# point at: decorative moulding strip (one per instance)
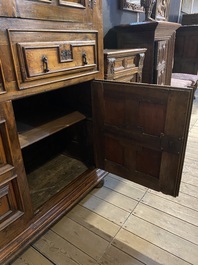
(131, 5)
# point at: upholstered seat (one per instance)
(184, 80)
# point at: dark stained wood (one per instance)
(190, 19)
(38, 33)
(146, 35)
(45, 46)
(53, 176)
(59, 10)
(124, 64)
(32, 135)
(145, 141)
(186, 52)
(16, 209)
(48, 215)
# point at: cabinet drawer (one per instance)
(42, 56)
(124, 64)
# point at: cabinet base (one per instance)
(51, 211)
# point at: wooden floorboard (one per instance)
(123, 223)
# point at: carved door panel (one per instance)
(160, 62)
(140, 132)
(59, 10)
(15, 205)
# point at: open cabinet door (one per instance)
(140, 132)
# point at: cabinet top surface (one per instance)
(149, 25)
(123, 51)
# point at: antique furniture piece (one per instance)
(61, 131)
(186, 52)
(190, 19)
(157, 37)
(124, 65)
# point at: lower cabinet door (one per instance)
(15, 204)
(140, 132)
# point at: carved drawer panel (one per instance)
(42, 56)
(59, 10)
(9, 208)
(124, 65)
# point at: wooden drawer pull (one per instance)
(45, 64)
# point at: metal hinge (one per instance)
(171, 144)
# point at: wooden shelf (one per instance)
(29, 135)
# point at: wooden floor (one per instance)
(127, 224)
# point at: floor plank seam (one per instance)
(160, 248)
(172, 200)
(156, 225)
(78, 247)
(42, 254)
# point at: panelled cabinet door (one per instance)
(15, 206)
(140, 132)
(59, 10)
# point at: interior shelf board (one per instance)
(35, 134)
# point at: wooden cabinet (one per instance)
(15, 212)
(145, 140)
(124, 65)
(59, 134)
(186, 52)
(159, 40)
(190, 19)
(42, 57)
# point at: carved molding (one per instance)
(46, 1)
(131, 5)
(77, 3)
(2, 80)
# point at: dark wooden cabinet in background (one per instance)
(159, 40)
(61, 131)
(186, 51)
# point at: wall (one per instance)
(113, 15)
(195, 7)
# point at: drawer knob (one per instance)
(45, 64)
(84, 57)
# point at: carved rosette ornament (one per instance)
(148, 7)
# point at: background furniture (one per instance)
(159, 40)
(186, 52)
(124, 65)
(190, 19)
(61, 131)
(184, 80)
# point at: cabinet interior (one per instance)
(54, 128)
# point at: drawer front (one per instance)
(128, 69)
(42, 56)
